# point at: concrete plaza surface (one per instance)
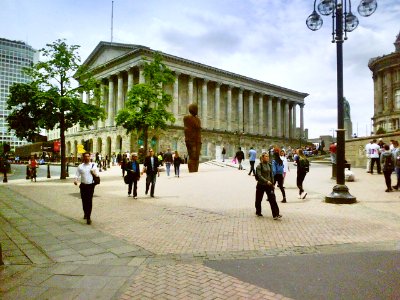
(199, 238)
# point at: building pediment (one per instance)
(105, 52)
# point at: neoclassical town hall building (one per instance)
(234, 110)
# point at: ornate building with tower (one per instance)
(234, 110)
(386, 75)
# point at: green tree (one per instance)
(146, 104)
(52, 99)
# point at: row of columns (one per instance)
(284, 124)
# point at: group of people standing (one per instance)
(386, 156)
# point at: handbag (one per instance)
(126, 179)
(96, 179)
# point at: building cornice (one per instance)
(184, 66)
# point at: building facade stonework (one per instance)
(386, 75)
(234, 110)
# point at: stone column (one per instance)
(229, 108)
(294, 120)
(278, 117)
(190, 89)
(240, 109)
(130, 78)
(120, 94)
(389, 91)
(301, 121)
(176, 95)
(260, 114)
(141, 75)
(251, 112)
(270, 127)
(287, 119)
(102, 103)
(110, 118)
(204, 104)
(380, 94)
(217, 105)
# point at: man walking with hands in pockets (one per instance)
(85, 172)
(265, 184)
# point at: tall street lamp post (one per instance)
(343, 21)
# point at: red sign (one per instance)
(57, 146)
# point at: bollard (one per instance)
(48, 170)
(67, 173)
(5, 175)
(28, 173)
(333, 171)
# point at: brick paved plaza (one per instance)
(158, 248)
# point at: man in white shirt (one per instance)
(85, 172)
(368, 155)
(374, 153)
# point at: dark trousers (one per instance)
(151, 179)
(133, 182)
(378, 164)
(388, 178)
(176, 169)
(299, 181)
(240, 164)
(278, 178)
(87, 191)
(260, 190)
(252, 167)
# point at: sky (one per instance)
(266, 40)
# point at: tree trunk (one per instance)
(63, 174)
(145, 138)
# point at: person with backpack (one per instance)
(303, 166)
(388, 163)
(278, 170)
(265, 184)
(396, 155)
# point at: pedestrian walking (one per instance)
(132, 174)
(285, 165)
(388, 163)
(177, 163)
(303, 167)
(85, 171)
(396, 155)
(32, 165)
(124, 161)
(240, 156)
(223, 153)
(252, 160)
(265, 184)
(151, 168)
(277, 171)
(168, 160)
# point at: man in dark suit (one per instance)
(133, 174)
(151, 168)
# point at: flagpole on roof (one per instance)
(112, 19)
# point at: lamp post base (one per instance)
(340, 195)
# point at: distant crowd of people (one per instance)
(386, 157)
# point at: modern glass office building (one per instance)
(14, 56)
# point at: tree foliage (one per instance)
(52, 99)
(146, 104)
